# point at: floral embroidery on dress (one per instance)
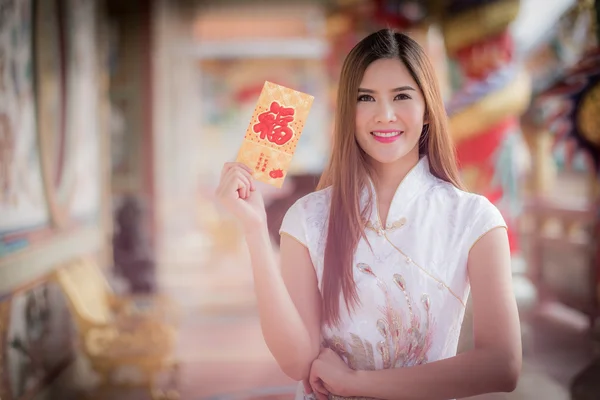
(404, 342)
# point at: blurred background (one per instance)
(121, 278)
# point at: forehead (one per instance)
(387, 73)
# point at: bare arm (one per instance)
(495, 362)
(289, 302)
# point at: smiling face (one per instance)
(389, 112)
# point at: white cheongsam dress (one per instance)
(413, 284)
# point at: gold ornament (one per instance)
(588, 115)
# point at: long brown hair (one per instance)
(348, 169)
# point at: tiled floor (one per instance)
(225, 358)
(223, 355)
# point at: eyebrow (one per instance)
(398, 89)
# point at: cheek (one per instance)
(411, 114)
(361, 116)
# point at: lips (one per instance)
(386, 136)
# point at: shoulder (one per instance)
(313, 203)
(478, 208)
(307, 215)
(465, 210)
(476, 214)
(485, 217)
(456, 198)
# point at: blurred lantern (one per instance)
(490, 91)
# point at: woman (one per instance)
(378, 263)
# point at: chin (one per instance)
(390, 156)
(386, 158)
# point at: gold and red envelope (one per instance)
(274, 131)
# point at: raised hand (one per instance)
(238, 194)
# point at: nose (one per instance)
(386, 112)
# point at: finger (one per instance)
(321, 396)
(250, 178)
(225, 181)
(317, 386)
(244, 193)
(307, 388)
(231, 185)
(242, 189)
(226, 168)
(245, 190)
(241, 192)
(240, 178)
(238, 171)
(245, 167)
(230, 164)
(235, 165)
(327, 387)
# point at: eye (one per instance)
(365, 97)
(402, 96)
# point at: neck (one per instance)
(389, 176)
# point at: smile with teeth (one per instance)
(386, 134)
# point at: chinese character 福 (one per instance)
(273, 124)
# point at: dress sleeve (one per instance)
(486, 217)
(294, 223)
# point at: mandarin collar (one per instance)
(416, 181)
